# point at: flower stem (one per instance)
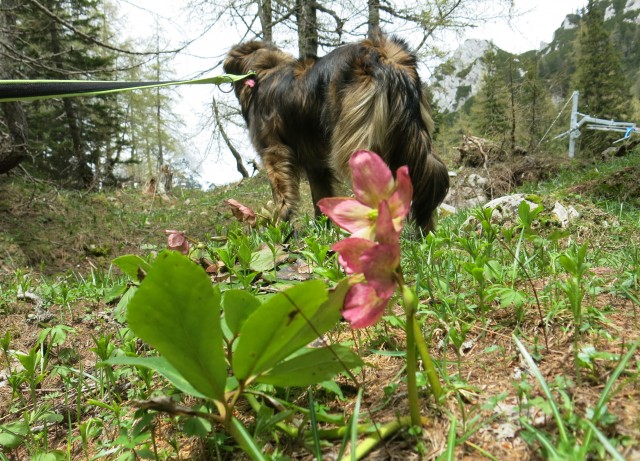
(410, 303)
(430, 369)
(384, 432)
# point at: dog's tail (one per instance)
(382, 108)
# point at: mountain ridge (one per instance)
(456, 81)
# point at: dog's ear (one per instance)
(240, 57)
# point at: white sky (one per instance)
(534, 23)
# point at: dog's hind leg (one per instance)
(322, 185)
(284, 177)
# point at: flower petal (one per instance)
(362, 306)
(386, 229)
(372, 178)
(400, 200)
(242, 212)
(350, 214)
(379, 265)
(350, 252)
(177, 241)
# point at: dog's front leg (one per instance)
(284, 176)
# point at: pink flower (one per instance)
(241, 212)
(373, 267)
(371, 256)
(250, 82)
(177, 241)
(366, 301)
(373, 184)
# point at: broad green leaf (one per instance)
(133, 266)
(177, 311)
(238, 305)
(312, 367)
(160, 366)
(55, 455)
(263, 260)
(198, 427)
(332, 386)
(120, 311)
(285, 323)
(115, 292)
(509, 296)
(13, 434)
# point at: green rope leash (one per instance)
(31, 90)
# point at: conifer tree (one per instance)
(535, 105)
(599, 78)
(491, 112)
(63, 39)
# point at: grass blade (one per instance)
(354, 425)
(450, 454)
(314, 426)
(604, 441)
(564, 437)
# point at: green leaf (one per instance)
(535, 371)
(568, 264)
(115, 292)
(133, 266)
(509, 296)
(177, 311)
(12, 435)
(312, 367)
(238, 305)
(285, 323)
(198, 427)
(55, 455)
(120, 311)
(246, 442)
(160, 366)
(332, 386)
(263, 260)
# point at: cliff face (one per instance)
(458, 79)
(460, 76)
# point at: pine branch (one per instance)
(95, 41)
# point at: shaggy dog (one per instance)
(308, 115)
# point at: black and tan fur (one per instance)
(307, 116)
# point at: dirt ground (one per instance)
(487, 366)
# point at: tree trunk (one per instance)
(165, 180)
(512, 90)
(158, 102)
(307, 18)
(266, 20)
(83, 173)
(15, 151)
(374, 18)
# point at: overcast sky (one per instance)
(534, 23)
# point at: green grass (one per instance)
(568, 386)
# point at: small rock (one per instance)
(564, 215)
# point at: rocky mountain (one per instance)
(456, 81)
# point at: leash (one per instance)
(31, 90)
